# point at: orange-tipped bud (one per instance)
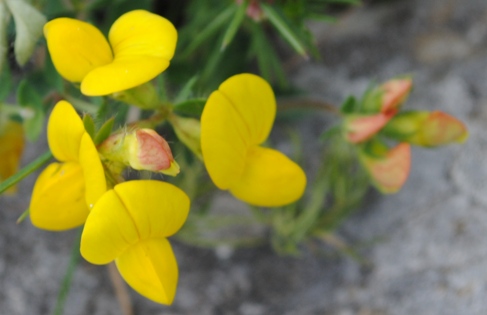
(359, 128)
(394, 93)
(428, 129)
(141, 149)
(390, 171)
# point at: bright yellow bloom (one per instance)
(140, 46)
(64, 192)
(390, 171)
(11, 148)
(130, 224)
(236, 120)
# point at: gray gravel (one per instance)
(426, 244)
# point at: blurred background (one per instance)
(420, 251)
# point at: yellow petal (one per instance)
(253, 99)
(109, 230)
(224, 141)
(270, 179)
(76, 47)
(93, 172)
(157, 209)
(150, 268)
(58, 201)
(143, 43)
(64, 132)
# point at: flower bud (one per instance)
(428, 129)
(359, 128)
(141, 149)
(188, 131)
(388, 171)
(395, 92)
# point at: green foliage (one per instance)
(31, 101)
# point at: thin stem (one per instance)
(26, 171)
(121, 292)
(68, 277)
(309, 104)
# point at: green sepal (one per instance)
(374, 148)
(350, 105)
(404, 125)
(105, 131)
(89, 124)
(192, 107)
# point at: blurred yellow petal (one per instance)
(11, 147)
(109, 230)
(150, 268)
(143, 44)
(93, 172)
(157, 209)
(253, 99)
(390, 172)
(58, 201)
(64, 132)
(76, 47)
(270, 179)
(224, 141)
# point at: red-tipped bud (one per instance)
(390, 171)
(359, 128)
(394, 93)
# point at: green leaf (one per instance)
(234, 25)
(349, 106)
(28, 24)
(89, 124)
(218, 22)
(192, 107)
(186, 90)
(25, 171)
(6, 83)
(105, 131)
(28, 98)
(284, 28)
(4, 19)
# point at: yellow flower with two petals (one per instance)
(130, 224)
(236, 120)
(62, 197)
(140, 46)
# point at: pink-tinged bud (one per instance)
(141, 149)
(428, 129)
(359, 128)
(395, 92)
(440, 129)
(389, 172)
(254, 11)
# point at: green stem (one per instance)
(68, 276)
(26, 171)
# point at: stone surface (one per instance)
(425, 246)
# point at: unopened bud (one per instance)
(388, 171)
(394, 93)
(188, 130)
(141, 149)
(428, 129)
(360, 128)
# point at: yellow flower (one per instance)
(236, 120)
(141, 46)
(130, 224)
(64, 192)
(11, 148)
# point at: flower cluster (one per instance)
(129, 221)
(377, 116)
